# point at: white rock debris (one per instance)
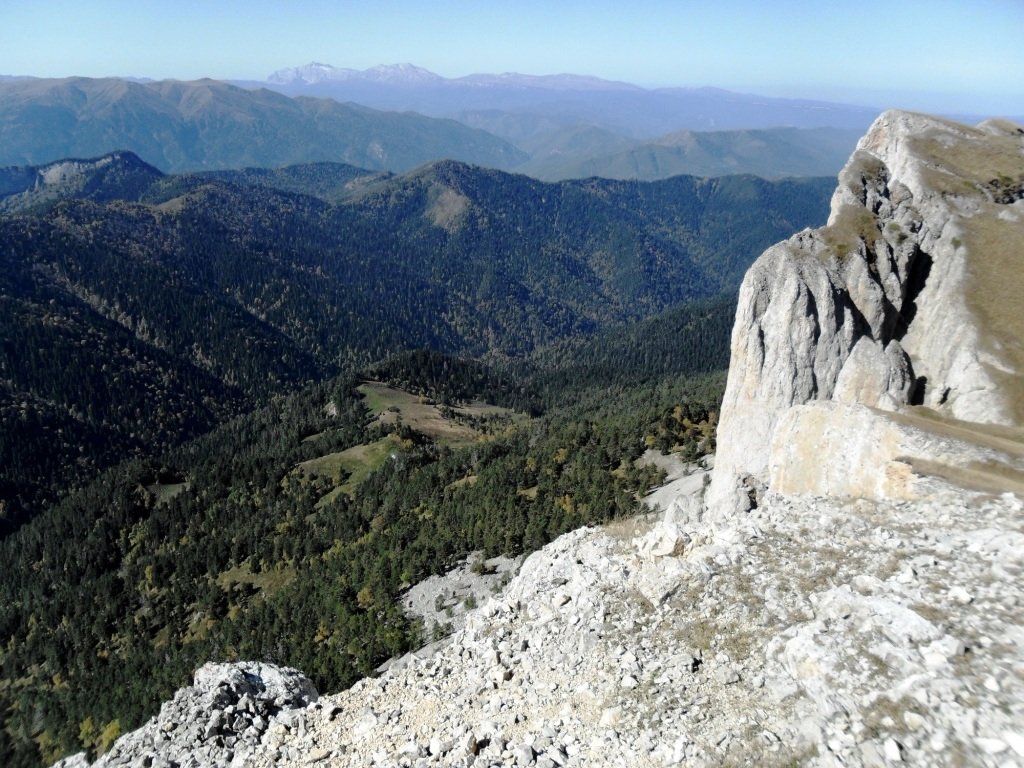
(230, 709)
(808, 631)
(442, 602)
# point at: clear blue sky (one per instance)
(945, 55)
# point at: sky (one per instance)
(951, 56)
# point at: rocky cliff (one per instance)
(909, 296)
(853, 597)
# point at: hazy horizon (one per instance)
(941, 55)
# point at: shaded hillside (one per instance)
(207, 124)
(598, 249)
(116, 176)
(161, 318)
(332, 182)
(683, 341)
(124, 176)
(222, 302)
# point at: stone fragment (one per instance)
(664, 540)
(960, 595)
(321, 753)
(558, 756)
(913, 720)
(893, 751)
(437, 747)
(611, 716)
(364, 725)
(726, 675)
(213, 724)
(992, 746)
(524, 755)
(1015, 739)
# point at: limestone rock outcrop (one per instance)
(230, 712)
(909, 296)
(755, 645)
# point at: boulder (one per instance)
(221, 716)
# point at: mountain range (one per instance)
(238, 414)
(208, 124)
(767, 152)
(552, 129)
(573, 126)
(188, 447)
(636, 112)
(273, 352)
(858, 541)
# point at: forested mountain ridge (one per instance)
(638, 246)
(331, 182)
(115, 176)
(125, 176)
(135, 282)
(206, 124)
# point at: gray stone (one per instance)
(726, 675)
(893, 751)
(207, 723)
(213, 724)
(524, 755)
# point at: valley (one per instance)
(313, 507)
(190, 299)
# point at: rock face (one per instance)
(887, 306)
(230, 712)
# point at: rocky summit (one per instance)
(909, 297)
(848, 594)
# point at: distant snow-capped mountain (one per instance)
(393, 74)
(314, 72)
(409, 74)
